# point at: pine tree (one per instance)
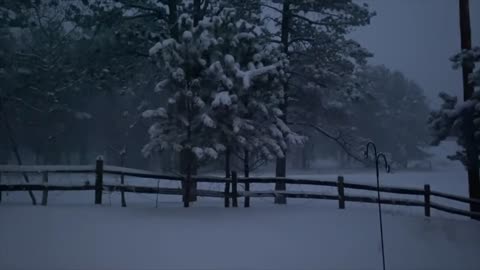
(461, 119)
(316, 30)
(449, 119)
(224, 88)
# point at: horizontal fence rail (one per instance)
(454, 197)
(230, 194)
(396, 190)
(47, 168)
(41, 187)
(365, 199)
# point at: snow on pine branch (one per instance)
(248, 76)
(160, 112)
(208, 121)
(470, 58)
(222, 99)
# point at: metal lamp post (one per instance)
(378, 157)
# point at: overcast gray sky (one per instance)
(418, 37)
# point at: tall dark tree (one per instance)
(461, 119)
(468, 90)
(316, 30)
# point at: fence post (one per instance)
(234, 189)
(45, 190)
(99, 180)
(341, 193)
(122, 181)
(122, 177)
(427, 200)
(227, 193)
(280, 186)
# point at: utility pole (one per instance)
(470, 147)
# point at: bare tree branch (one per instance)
(312, 22)
(271, 7)
(338, 139)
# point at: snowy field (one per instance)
(157, 233)
(211, 237)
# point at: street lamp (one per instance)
(378, 157)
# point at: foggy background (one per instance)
(418, 37)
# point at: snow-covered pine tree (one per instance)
(180, 124)
(462, 119)
(449, 119)
(246, 106)
(224, 90)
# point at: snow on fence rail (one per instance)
(230, 193)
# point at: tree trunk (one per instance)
(246, 164)
(172, 18)
(191, 159)
(281, 164)
(280, 186)
(197, 12)
(227, 162)
(471, 148)
(186, 159)
(188, 168)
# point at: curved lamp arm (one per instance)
(382, 156)
(374, 149)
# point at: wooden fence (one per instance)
(230, 192)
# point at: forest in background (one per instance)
(179, 85)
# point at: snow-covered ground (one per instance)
(212, 237)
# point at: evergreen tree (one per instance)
(224, 89)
